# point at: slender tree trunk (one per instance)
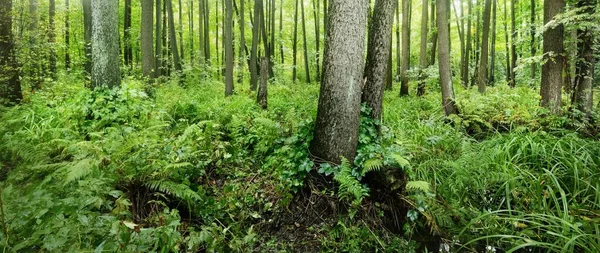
(67, 38)
(493, 49)
(405, 47)
(158, 66)
(295, 44)
(217, 52)
(127, 50)
(532, 45)
(87, 25)
(52, 37)
(513, 45)
(378, 49)
(255, 40)
(272, 33)
(305, 44)
(242, 53)
(191, 30)
(482, 77)
(506, 32)
(551, 90)
(317, 35)
(10, 85)
(477, 44)
(584, 78)
(181, 48)
(207, 32)
(448, 102)
(147, 37)
(173, 37)
(398, 43)
(434, 35)
(423, 64)
(105, 37)
(338, 114)
(281, 52)
(228, 48)
(262, 93)
(466, 66)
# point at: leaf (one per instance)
(130, 224)
(418, 186)
(373, 164)
(403, 162)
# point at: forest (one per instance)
(299, 126)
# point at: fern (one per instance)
(372, 164)
(78, 170)
(350, 189)
(418, 186)
(180, 191)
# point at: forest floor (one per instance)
(180, 168)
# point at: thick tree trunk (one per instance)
(482, 77)
(584, 78)
(105, 37)
(173, 37)
(305, 44)
(448, 102)
(255, 40)
(551, 90)
(52, 37)
(67, 38)
(147, 37)
(338, 114)
(405, 47)
(10, 85)
(295, 44)
(423, 64)
(228, 48)
(261, 97)
(378, 49)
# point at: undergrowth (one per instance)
(179, 169)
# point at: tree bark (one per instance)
(482, 77)
(551, 90)
(255, 40)
(10, 85)
(262, 94)
(444, 58)
(52, 37)
(466, 66)
(147, 37)
(105, 37)
(295, 44)
(338, 114)
(87, 25)
(181, 48)
(378, 49)
(423, 63)
(506, 43)
(305, 44)
(513, 45)
(493, 48)
(228, 48)
(127, 50)
(317, 35)
(583, 94)
(242, 53)
(67, 38)
(158, 65)
(173, 37)
(405, 47)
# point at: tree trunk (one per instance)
(423, 64)
(338, 114)
(201, 46)
(405, 47)
(191, 30)
(493, 48)
(173, 37)
(482, 77)
(228, 48)
(158, 66)
(444, 58)
(506, 32)
(281, 52)
(466, 66)
(532, 45)
(317, 35)
(87, 26)
(217, 37)
(305, 44)
(10, 85)
(105, 37)
(434, 35)
(398, 43)
(378, 49)
(52, 37)
(513, 45)
(584, 78)
(67, 38)
(261, 98)
(551, 90)
(295, 44)
(477, 44)
(127, 50)
(181, 48)
(146, 37)
(255, 40)
(242, 53)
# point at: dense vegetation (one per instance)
(167, 163)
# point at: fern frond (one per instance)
(418, 186)
(349, 186)
(373, 164)
(78, 170)
(180, 191)
(402, 162)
